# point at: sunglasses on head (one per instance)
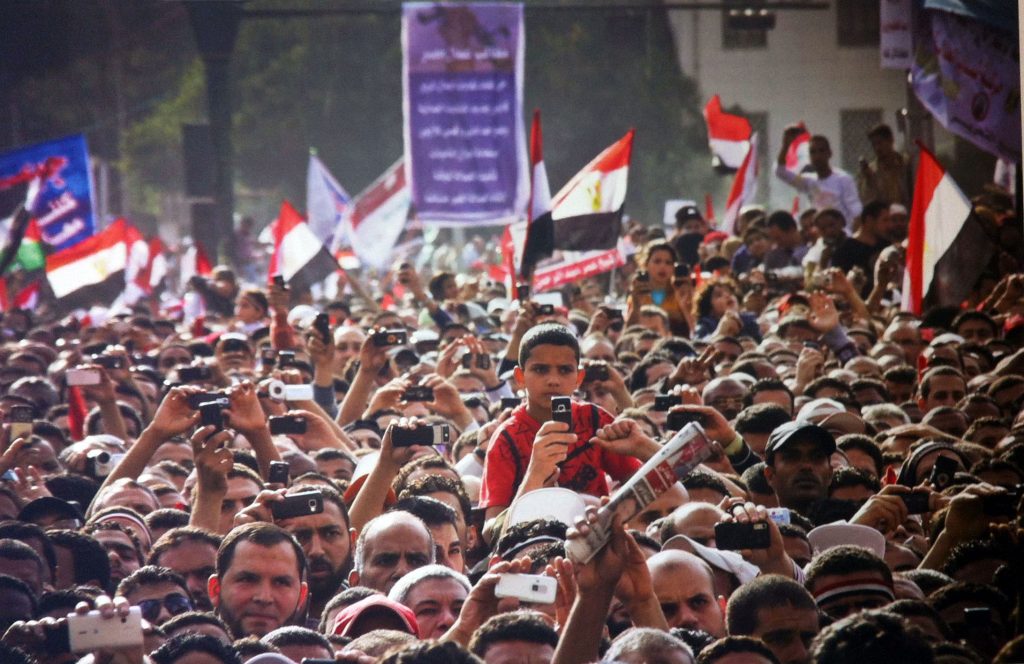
(175, 603)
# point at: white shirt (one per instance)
(837, 191)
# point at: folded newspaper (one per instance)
(674, 461)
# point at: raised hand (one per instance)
(175, 416)
(823, 317)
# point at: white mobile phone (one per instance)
(92, 632)
(534, 588)
(82, 377)
(298, 392)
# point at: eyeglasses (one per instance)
(175, 603)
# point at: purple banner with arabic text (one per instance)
(967, 75)
(464, 143)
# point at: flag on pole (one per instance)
(538, 241)
(194, 262)
(728, 136)
(946, 247)
(376, 217)
(744, 188)
(156, 269)
(587, 212)
(326, 201)
(299, 256)
(92, 271)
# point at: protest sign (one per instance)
(463, 88)
(63, 207)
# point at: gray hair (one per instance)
(400, 591)
(645, 641)
(883, 410)
(383, 521)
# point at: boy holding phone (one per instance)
(531, 450)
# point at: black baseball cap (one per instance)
(49, 505)
(791, 432)
(688, 212)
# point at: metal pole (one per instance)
(215, 25)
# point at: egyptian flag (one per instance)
(728, 136)
(299, 255)
(947, 249)
(151, 277)
(539, 242)
(374, 220)
(92, 271)
(798, 155)
(194, 262)
(744, 188)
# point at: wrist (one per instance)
(731, 444)
(646, 449)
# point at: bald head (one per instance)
(389, 547)
(685, 587)
(696, 521)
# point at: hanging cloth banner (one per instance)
(462, 78)
(966, 73)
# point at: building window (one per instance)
(854, 125)
(857, 23)
(738, 39)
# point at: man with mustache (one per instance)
(797, 464)
(326, 538)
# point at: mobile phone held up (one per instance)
(279, 472)
(561, 410)
(428, 434)
(298, 504)
(390, 338)
(534, 588)
(286, 424)
(19, 421)
(736, 536)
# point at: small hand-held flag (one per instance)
(728, 136)
(539, 230)
(299, 255)
(744, 188)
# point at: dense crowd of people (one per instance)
(380, 477)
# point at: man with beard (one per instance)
(797, 464)
(327, 540)
(259, 585)
(192, 553)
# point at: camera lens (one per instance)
(312, 504)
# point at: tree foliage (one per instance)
(334, 83)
